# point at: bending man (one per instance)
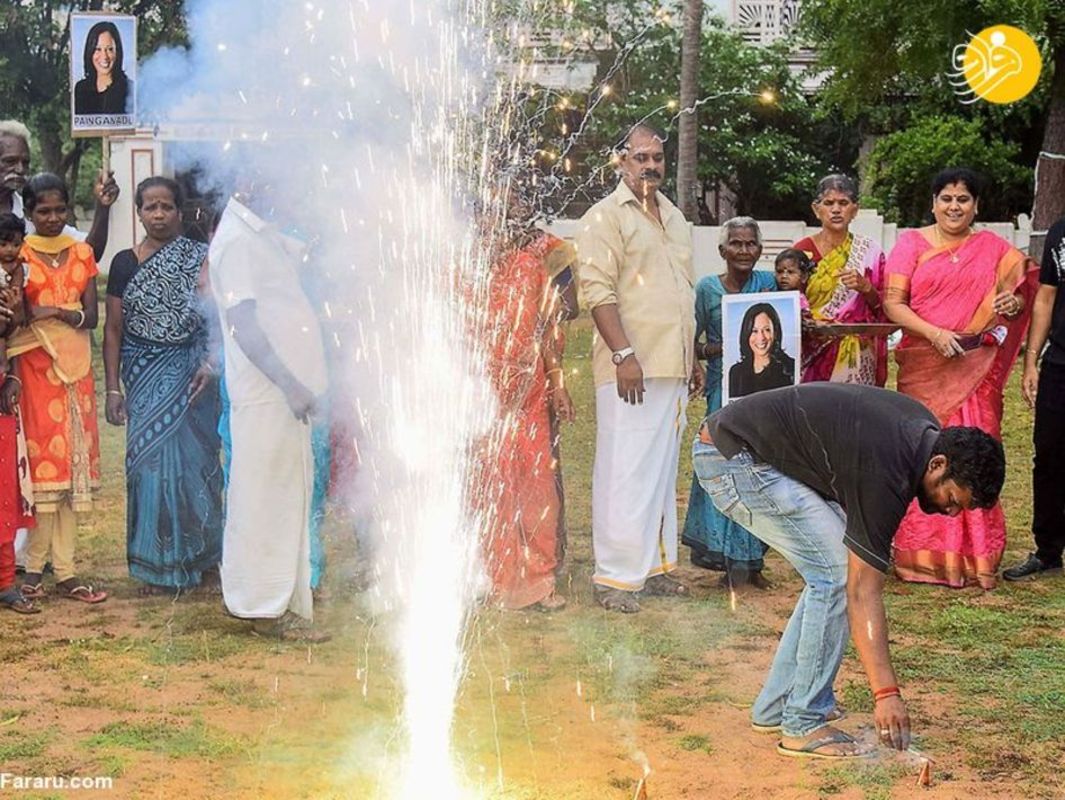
(823, 473)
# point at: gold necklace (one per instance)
(52, 258)
(953, 253)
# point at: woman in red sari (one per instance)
(518, 494)
(961, 296)
(558, 257)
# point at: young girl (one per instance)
(793, 268)
(54, 368)
(16, 505)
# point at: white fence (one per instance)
(780, 234)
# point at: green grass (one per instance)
(695, 743)
(149, 678)
(876, 781)
(167, 738)
(18, 745)
(244, 693)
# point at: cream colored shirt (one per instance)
(627, 258)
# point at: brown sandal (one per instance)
(289, 628)
(32, 591)
(17, 602)
(85, 594)
(665, 586)
(617, 600)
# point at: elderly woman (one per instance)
(716, 542)
(53, 371)
(155, 345)
(845, 287)
(961, 297)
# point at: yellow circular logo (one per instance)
(1000, 64)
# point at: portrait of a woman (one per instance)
(763, 363)
(105, 89)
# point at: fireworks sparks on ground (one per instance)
(403, 136)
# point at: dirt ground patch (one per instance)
(176, 700)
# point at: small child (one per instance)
(16, 508)
(793, 268)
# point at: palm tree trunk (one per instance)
(688, 123)
(1049, 205)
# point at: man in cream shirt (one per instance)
(636, 276)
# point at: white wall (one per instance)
(778, 235)
(140, 156)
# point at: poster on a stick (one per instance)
(762, 340)
(103, 73)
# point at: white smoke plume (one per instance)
(367, 124)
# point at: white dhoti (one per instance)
(634, 483)
(266, 552)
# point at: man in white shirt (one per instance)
(275, 374)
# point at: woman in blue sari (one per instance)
(717, 543)
(155, 340)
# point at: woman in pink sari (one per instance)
(844, 288)
(962, 297)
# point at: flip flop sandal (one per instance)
(32, 591)
(85, 594)
(664, 586)
(303, 633)
(834, 716)
(617, 600)
(810, 749)
(14, 600)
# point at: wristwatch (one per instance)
(621, 355)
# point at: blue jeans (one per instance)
(807, 530)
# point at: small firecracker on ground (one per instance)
(925, 777)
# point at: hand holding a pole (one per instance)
(105, 189)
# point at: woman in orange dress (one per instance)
(54, 373)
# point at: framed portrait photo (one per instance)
(103, 74)
(762, 343)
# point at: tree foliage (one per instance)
(880, 51)
(769, 154)
(887, 63)
(902, 164)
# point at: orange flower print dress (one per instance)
(58, 394)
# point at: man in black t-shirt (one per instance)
(824, 473)
(1044, 390)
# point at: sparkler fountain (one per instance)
(377, 126)
(371, 118)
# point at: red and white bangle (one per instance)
(886, 692)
